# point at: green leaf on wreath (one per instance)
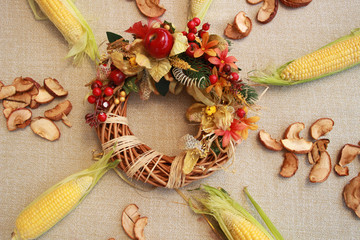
(112, 37)
(162, 86)
(130, 85)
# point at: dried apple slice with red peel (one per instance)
(128, 218)
(253, 2)
(321, 127)
(319, 146)
(290, 165)
(43, 96)
(19, 118)
(7, 91)
(45, 128)
(139, 227)
(300, 146)
(321, 170)
(243, 24)
(22, 84)
(54, 88)
(347, 155)
(295, 3)
(59, 111)
(267, 11)
(293, 131)
(150, 8)
(269, 142)
(351, 194)
(341, 170)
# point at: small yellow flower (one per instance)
(133, 61)
(210, 110)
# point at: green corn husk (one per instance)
(350, 58)
(198, 8)
(218, 203)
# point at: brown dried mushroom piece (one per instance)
(295, 3)
(7, 91)
(321, 170)
(54, 88)
(140, 224)
(269, 142)
(58, 112)
(290, 165)
(19, 118)
(351, 195)
(150, 8)
(300, 146)
(321, 127)
(45, 128)
(267, 11)
(128, 218)
(293, 131)
(43, 96)
(22, 84)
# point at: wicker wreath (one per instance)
(201, 66)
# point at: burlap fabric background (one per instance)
(299, 209)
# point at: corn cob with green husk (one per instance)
(59, 200)
(198, 8)
(337, 56)
(235, 222)
(72, 25)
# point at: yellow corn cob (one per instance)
(62, 18)
(59, 200)
(70, 22)
(242, 229)
(198, 8)
(332, 58)
(44, 213)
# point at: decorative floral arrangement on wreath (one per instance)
(161, 60)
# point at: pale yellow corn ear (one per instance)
(70, 22)
(198, 8)
(332, 58)
(44, 213)
(59, 200)
(240, 228)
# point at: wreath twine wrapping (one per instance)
(199, 65)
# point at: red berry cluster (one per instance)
(192, 25)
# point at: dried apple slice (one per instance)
(43, 96)
(290, 165)
(348, 154)
(13, 104)
(319, 146)
(243, 24)
(253, 2)
(341, 170)
(321, 170)
(295, 3)
(54, 88)
(19, 118)
(351, 195)
(7, 91)
(269, 142)
(128, 218)
(300, 146)
(293, 131)
(22, 84)
(267, 11)
(45, 128)
(321, 127)
(139, 226)
(1, 84)
(7, 112)
(150, 8)
(23, 97)
(59, 111)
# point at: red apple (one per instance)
(158, 42)
(191, 49)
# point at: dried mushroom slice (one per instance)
(321, 127)
(45, 128)
(19, 118)
(54, 88)
(59, 111)
(295, 3)
(300, 146)
(351, 195)
(293, 131)
(128, 218)
(290, 165)
(139, 227)
(269, 142)
(267, 11)
(22, 84)
(321, 170)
